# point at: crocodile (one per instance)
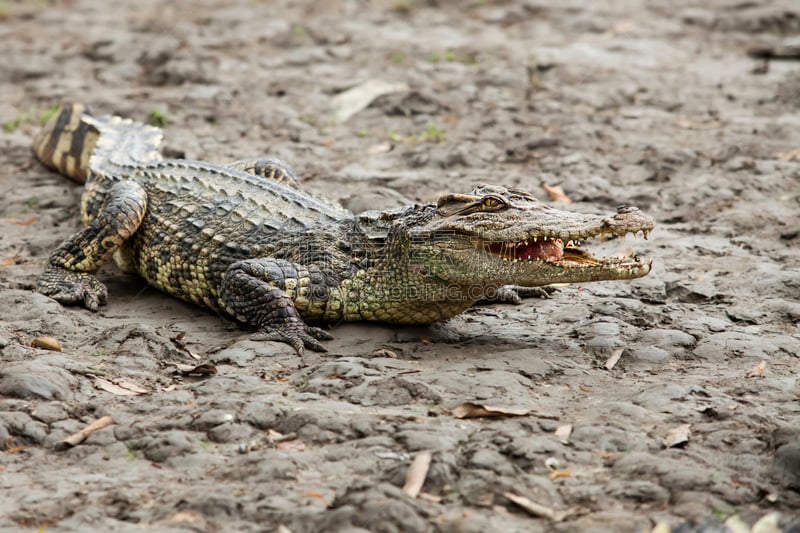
(246, 241)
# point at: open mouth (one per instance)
(534, 249)
(552, 250)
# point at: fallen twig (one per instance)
(417, 473)
(612, 361)
(80, 436)
(536, 509)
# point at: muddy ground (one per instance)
(652, 104)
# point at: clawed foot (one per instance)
(297, 335)
(514, 294)
(72, 288)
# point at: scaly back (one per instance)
(74, 140)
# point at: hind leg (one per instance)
(69, 275)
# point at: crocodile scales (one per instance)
(244, 239)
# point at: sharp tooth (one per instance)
(526, 242)
(534, 239)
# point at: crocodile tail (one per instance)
(74, 140)
(66, 142)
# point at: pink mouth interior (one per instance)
(543, 249)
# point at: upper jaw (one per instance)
(548, 234)
(569, 226)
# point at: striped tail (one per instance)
(66, 143)
(74, 140)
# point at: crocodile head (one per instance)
(496, 236)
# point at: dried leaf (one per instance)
(295, 445)
(10, 261)
(556, 193)
(415, 477)
(536, 509)
(563, 432)
(757, 370)
(473, 410)
(180, 344)
(132, 387)
(205, 369)
(186, 517)
(118, 389)
(348, 103)
(275, 436)
(385, 352)
(26, 222)
(611, 362)
(677, 436)
(313, 494)
(46, 343)
(555, 474)
(790, 155)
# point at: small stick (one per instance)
(417, 472)
(80, 436)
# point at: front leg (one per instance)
(69, 275)
(259, 292)
(514, 294)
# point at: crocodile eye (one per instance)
(492, 203)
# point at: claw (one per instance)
(514, 294)
(69, 287)
(319, 334)
(297, 335)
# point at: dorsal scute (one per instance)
(123, 141)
